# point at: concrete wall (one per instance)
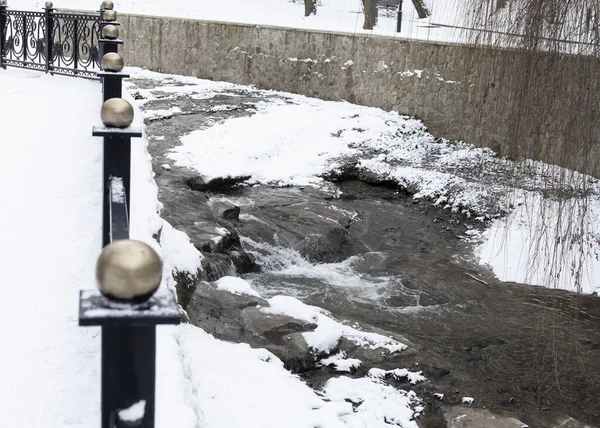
(457, 90)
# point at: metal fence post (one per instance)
(399, 23)
(75, 46)
(2, 32)
(110, 38)
(24, 40)
(117, 115)
(49, 39)
(128, 273)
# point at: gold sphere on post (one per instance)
(117, 113)
(110, 32)
(112, 61)
(107, 5)
(48, 5)
(128, 270)
(110, 15)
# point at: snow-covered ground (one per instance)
(332, 15)
(50, 184)
(50, 367)
(536, 237)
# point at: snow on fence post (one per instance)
(2, 32)
(127, 305)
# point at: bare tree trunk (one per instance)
(370, 8)
(422, 10)
(310, 7)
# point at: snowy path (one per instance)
(50, 186)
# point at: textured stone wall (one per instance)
(455, 89)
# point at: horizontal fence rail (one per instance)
(51, 41)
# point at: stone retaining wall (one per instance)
(460, 92)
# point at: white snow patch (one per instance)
(222, 231)
(329, 332)
(222, 107)
(117, 190)
(51, 239)
(235, 285)
(548, 242)
(377, 404)
(289, 146)
(412, 377)
(133, 413)
(216, 239)
(234, 385)
(340, 363)
(161, 114)
(179, 250)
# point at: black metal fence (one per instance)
(52, 41)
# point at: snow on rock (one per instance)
(161, 114)
(377, 405)
(298, 140)
(329, 331)
(233, 385)
(179, 250)
(467, 400)
(412, 377)
(235, 285)
(340, 363)
(284, 149)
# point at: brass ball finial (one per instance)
(48, 5)
(110, 15)
(112, 61)
(128, 270)
(110, 32)
(107, 5)
(117, 113)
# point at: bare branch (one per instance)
(422, 10)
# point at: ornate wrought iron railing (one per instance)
(51, 41)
